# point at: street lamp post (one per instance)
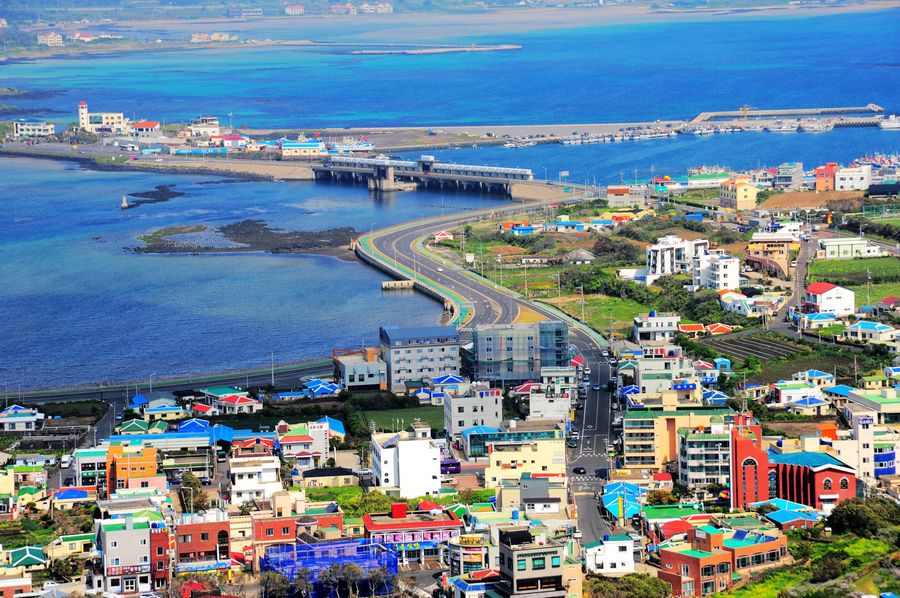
(151, 381)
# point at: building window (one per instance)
(285, 531)
(204, 536)
(159, 551)
(520, 564)
(724, 567)
(270, 531)
(685, 571)
(708, 571)
(538, 563)
(845, 483)
(687, 588)
(555, 561)
(826, 484)
(143, 541)
(160, 565)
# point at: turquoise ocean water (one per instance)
(76, 307)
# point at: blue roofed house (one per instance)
(566, 226)
(722, 364)
(522, 230)
(16, 418)
(815, 377)
(811, 406)
(837, 395)
(870, 332)
(788, 520)
(193, 425)
(336, 427)
(815, 321)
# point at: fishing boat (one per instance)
(782, 127)
(891, 123)
(124, 204)
(815, 126)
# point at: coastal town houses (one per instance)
(50, 39)
(24, 128)
(406, 464)
(16, 418)
(824, 297)
(113, 123)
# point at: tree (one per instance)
(864, 517)
(377, 579)
(192, 495)
(273, 585)
(302, 583)
(766, 508)
(64, 569)
(828, 567)
(633, 585)
(616, 252)
(351, 573)
(330, 577)
(371, 502)
(660, 497)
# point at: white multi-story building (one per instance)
(789, 176)
(704, 455)
(481, 407)
(254, 476)
(870, 449)
(407, 464)
(51, 39)
(412, 354)
(24, 128)
(824, 297)
(857, 178)
(716, 270)
(113, 123)
(610, 557)
(672, 255)
(655, 327)
(16, 418)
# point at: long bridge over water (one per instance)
(388, 174)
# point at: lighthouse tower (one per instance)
(83, 116)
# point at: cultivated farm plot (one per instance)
(743, 347)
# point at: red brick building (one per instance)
(817, 480)
(162, 542)
(203, 537)
(749, 463)
(698, 567)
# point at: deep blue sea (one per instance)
(614, 73)
(75, 306)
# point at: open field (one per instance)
(891, 221)
(876, 291)
(858, 553)
(385, 420)
(599, 310)
(743, 347)
(772, 371)
(854, 271)
(808, 199)
(343, 495)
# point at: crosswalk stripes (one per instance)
(584, 478)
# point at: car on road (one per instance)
(575, 434)
(572, 443)
(618, 421)
(579, 470)
(604, 353)
(440, 269)
(579, 406)
(793, 263)
(118, 417)
(596, 387)
(577, 535)
(587, 372)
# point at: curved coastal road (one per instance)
(400, 246)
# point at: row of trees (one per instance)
(346, 580)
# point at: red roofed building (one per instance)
(719, 328)
(692, 330)
(235, 404)
(670, 529)
(204, 409)
(417, 535)
(888, 305)
(824, 297)
(145, 128)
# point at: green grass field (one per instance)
(854, 271)
(385, 419)
(600, 309)
(891, 221)
(862, 551)
(342, 495)
(876, 291)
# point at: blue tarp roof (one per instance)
(477, 430)
(448, 379)
(629, 390)
(71, 494)
(782, 504)
(193, 425)
(806, 459)
(781, 517)
(841, 390)
(336, 425)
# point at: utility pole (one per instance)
(273, 369)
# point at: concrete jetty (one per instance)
(786, 112)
